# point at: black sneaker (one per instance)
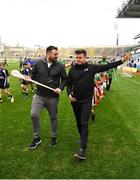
(80, 155)
(35, 143)
(53, 141)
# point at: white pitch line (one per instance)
(133, 81)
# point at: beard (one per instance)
(52, 59)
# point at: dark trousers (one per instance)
(108, 86)
(82, 113)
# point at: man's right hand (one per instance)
(72, 99)
(27, 78)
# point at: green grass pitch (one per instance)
(113, 146)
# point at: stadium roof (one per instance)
(129, 9)
(137, 36)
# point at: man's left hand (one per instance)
(126, 57)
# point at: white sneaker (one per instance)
(12, 99)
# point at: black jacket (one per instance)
(81, 79)
(55, 76)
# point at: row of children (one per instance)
(26, 70)
(4, 83)
(102, 83)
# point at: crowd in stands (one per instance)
(134, 63)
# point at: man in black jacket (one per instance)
(53, 74)
(80, 92)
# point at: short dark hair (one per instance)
(50, 48)
(81, 51)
